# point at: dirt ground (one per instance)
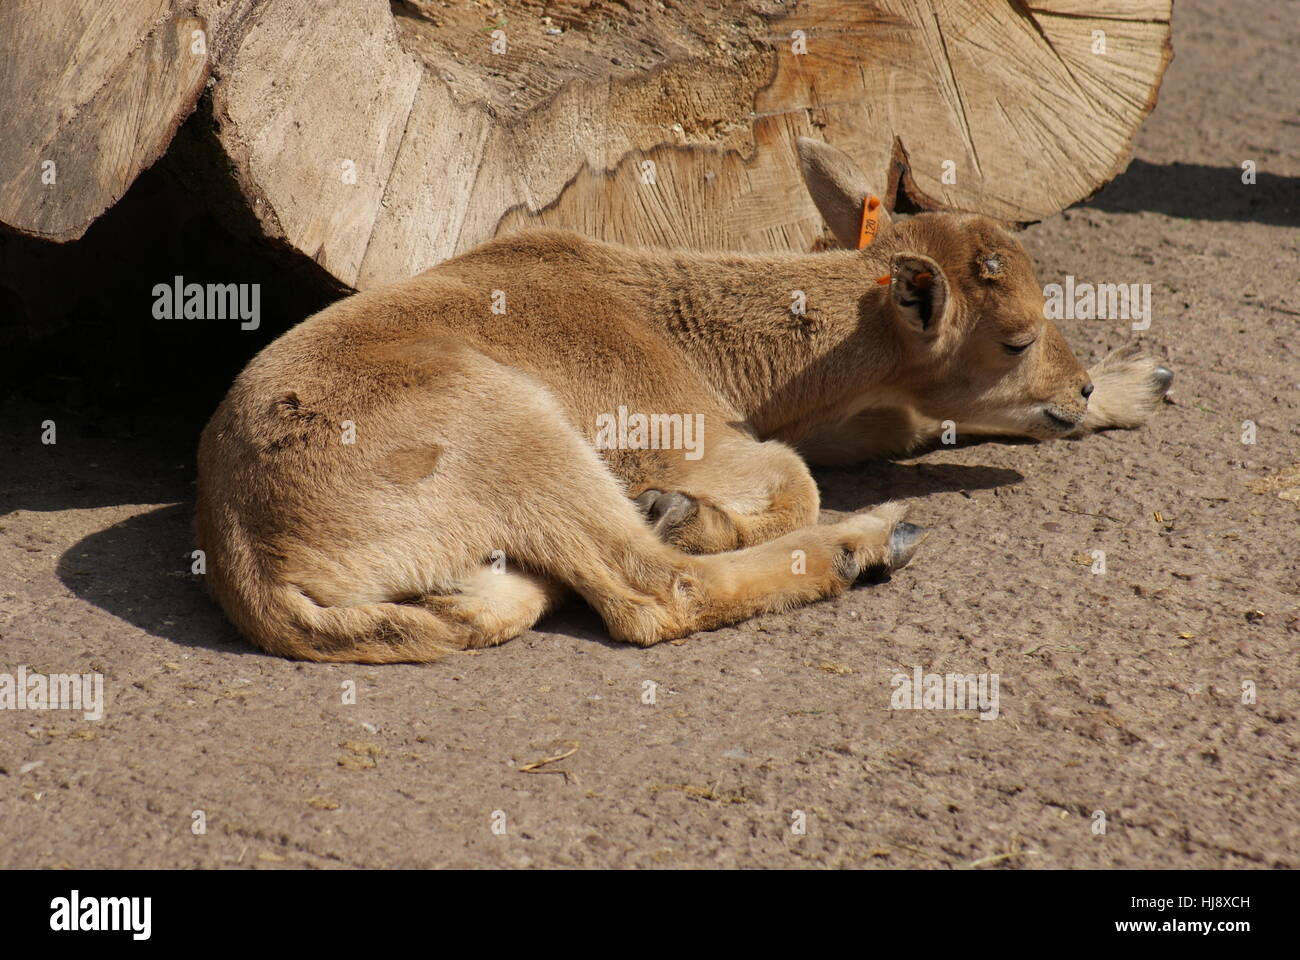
(1120, 691)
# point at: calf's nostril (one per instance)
(1086, 390)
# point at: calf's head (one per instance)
(966, 311)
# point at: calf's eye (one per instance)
(1018, 347)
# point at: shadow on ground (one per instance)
(864, 486)
(1195, 191)
(139, 571)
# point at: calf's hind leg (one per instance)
(647, 590)
(558, 513)
(659, 593)
(492, 605)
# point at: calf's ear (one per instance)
(920, 292)
(839, 188)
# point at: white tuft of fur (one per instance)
(1126, 391)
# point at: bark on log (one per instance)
(381, 138)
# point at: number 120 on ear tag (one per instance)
(870, 221)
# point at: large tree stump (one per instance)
(379, 139)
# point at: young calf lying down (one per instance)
(432, 466)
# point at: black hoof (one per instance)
(1163, 376)
(666, 510)
(903, 543)
(647, 499)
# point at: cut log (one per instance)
(379, 139)
(91, 94)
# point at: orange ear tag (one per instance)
(870, 221)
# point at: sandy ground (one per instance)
(1119, 692)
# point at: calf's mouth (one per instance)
(1061, 419)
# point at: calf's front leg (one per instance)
(1128, 386)
(740, 494)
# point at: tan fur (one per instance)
(472, 498)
